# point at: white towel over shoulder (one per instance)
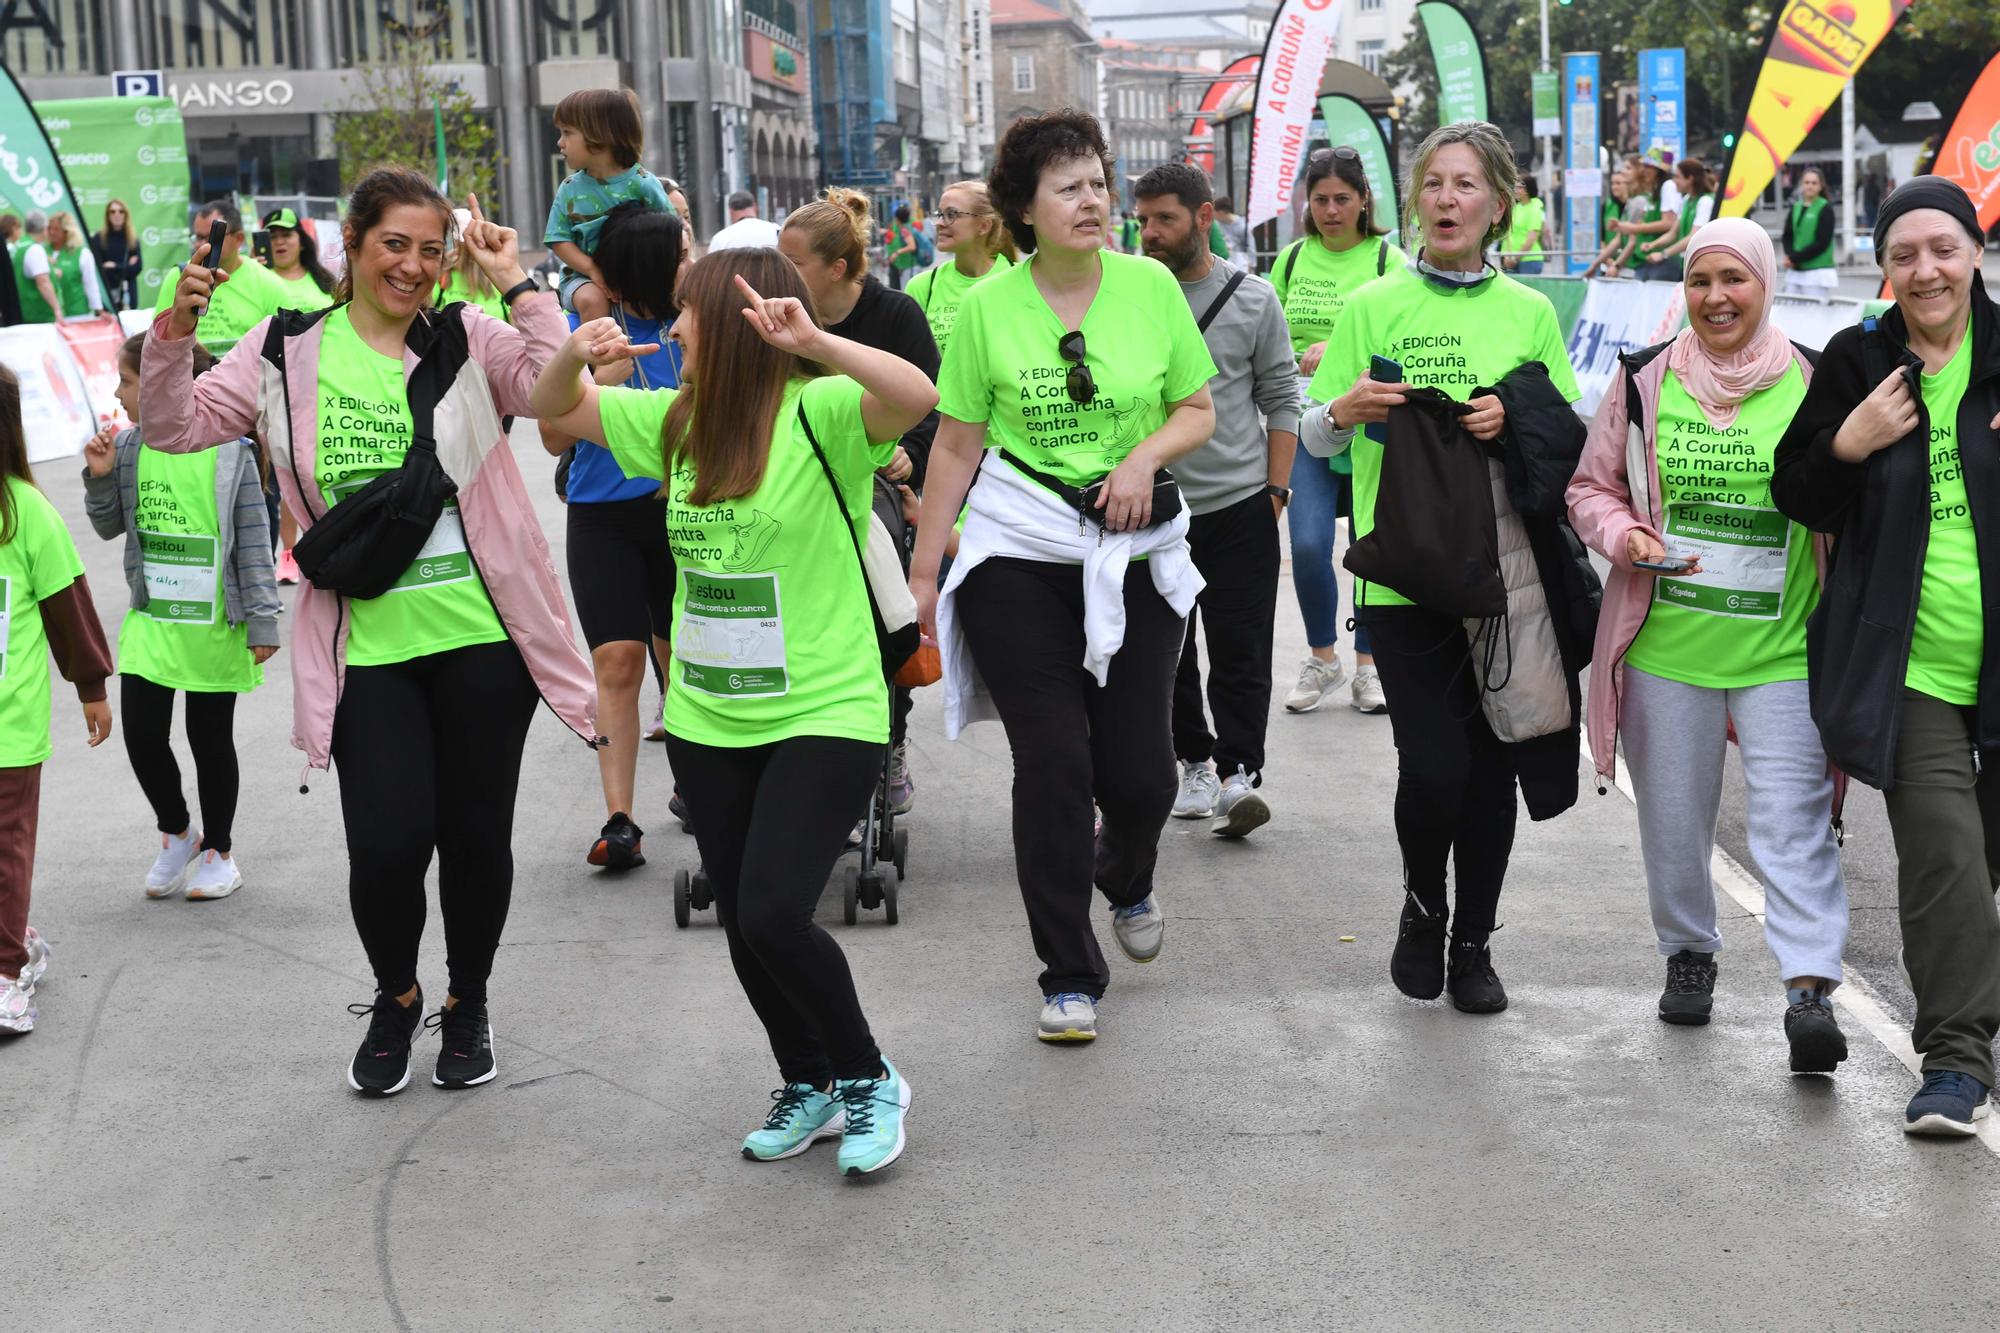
(1009, 514)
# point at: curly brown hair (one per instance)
(1027, 149)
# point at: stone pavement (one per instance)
(1266, 1135)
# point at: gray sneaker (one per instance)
(1240, 808)
(1140, 929)
(1067, 1017)
(1368, 691)
(1199, 790)
(1317, 679)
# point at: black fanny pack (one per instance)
(1087, 500)
(362, 545)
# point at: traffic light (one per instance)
(1729, 141)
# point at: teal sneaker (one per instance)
(875, 1109)
(801, 1115)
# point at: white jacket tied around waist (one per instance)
(1008, 514)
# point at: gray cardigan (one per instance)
(249, 583)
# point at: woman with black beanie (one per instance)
(1894, 453)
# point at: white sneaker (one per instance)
(1368, 691)
(17, 994)
(38, 957)
(215, 876)
(1067, 1017)
(1140, 929)
(175, 862)
(1240, 808)
(1317, 679)
(1199, 789)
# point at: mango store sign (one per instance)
(231, 94)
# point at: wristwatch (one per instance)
(1282, 494)
(519, 289)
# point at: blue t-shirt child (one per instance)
(594, 475)
(583, 202)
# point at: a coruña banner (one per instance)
(1815, 48)
(133, 149)
(31, 177)
(1460, 66)
(1348, 122)
(1244, 67)
(1294, 61)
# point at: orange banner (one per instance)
(1816, 46)
(1970, 152)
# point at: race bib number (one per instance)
(180, 576)
(1742, 551)
(443, 557)
(731, 640)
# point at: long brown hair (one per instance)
(723, 420)
(13, 452)
(379, 191)
(131, 232)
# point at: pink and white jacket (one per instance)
(245, 392)
(1617, 489)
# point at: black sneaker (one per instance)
(381, 1068)
(617, 845)
(1474, 985)
(1417, 965)
(1817, 1041)
(465, 1059)
(679, 810)
(1689, 997)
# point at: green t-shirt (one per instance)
(304, 294)
(36, 563)
(941, 290)
(1451, 338)
(34, 310)
(1805, 221)
(458, 288)
(1218, 243)
(1742, 620)
(1314, 282)
(1691, 214)
(1950, 637)
(1003, 370)
(1524, 235)
(249, 294)
(900, 235)
(66, 269)
(440, 602)
(772, 633)
(183, 639)
(582, 202)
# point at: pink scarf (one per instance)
(1721, 383)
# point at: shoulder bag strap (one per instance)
(1291, 261)
(1382, 259)
(1215, 307)
(834, 485)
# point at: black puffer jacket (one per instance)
(1878, 512)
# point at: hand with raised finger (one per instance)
(782, 321)
(496, 249)
(99, 453)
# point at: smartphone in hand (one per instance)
(1673, 564)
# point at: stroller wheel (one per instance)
(889, 899)
(871, 889)
(850, 895)
(681, 899)
(900, 854)
(701, 891)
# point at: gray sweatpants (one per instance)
(1675, 736)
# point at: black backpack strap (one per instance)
(1290, 261)
(1382, 259)
(1215, 307)
(446, 343)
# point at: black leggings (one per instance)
(1074, 742)
(211, 722)
(428, 753)
(1454, 780)
(771, 820)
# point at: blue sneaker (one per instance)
(1948, 1104)
(875, 1109)
(801, 1115)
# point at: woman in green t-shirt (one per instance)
(1342, 251)
(1523, 251)
(777, 711)
(971, 233)
(74, 271)
(203, 621)
(1684, 656)
(1807, 241)
(1451, 322)
(1086, 371)
(1893, 453)
(1697, 186)
(295, 258)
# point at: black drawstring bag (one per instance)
(1435, 539)
(361, 546)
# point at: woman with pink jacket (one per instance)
(421, 696)
(1704, 629)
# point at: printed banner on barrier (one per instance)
(134, 149)
(1461, 68)
(1294, 61)
(1348, 122)
(55, 409)
(95, 343)
(1816, 46)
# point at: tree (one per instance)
(392, 120)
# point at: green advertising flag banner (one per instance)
(1348, 122)
(1460, 66)
(31, 176)
(1547, 88)
(130, 148)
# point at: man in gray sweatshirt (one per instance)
(1235, 491)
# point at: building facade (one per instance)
(1146, 95)
(260, 81)
(1044, 58)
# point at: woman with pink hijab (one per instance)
(1704, 630)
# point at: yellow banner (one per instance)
(1816, 46)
